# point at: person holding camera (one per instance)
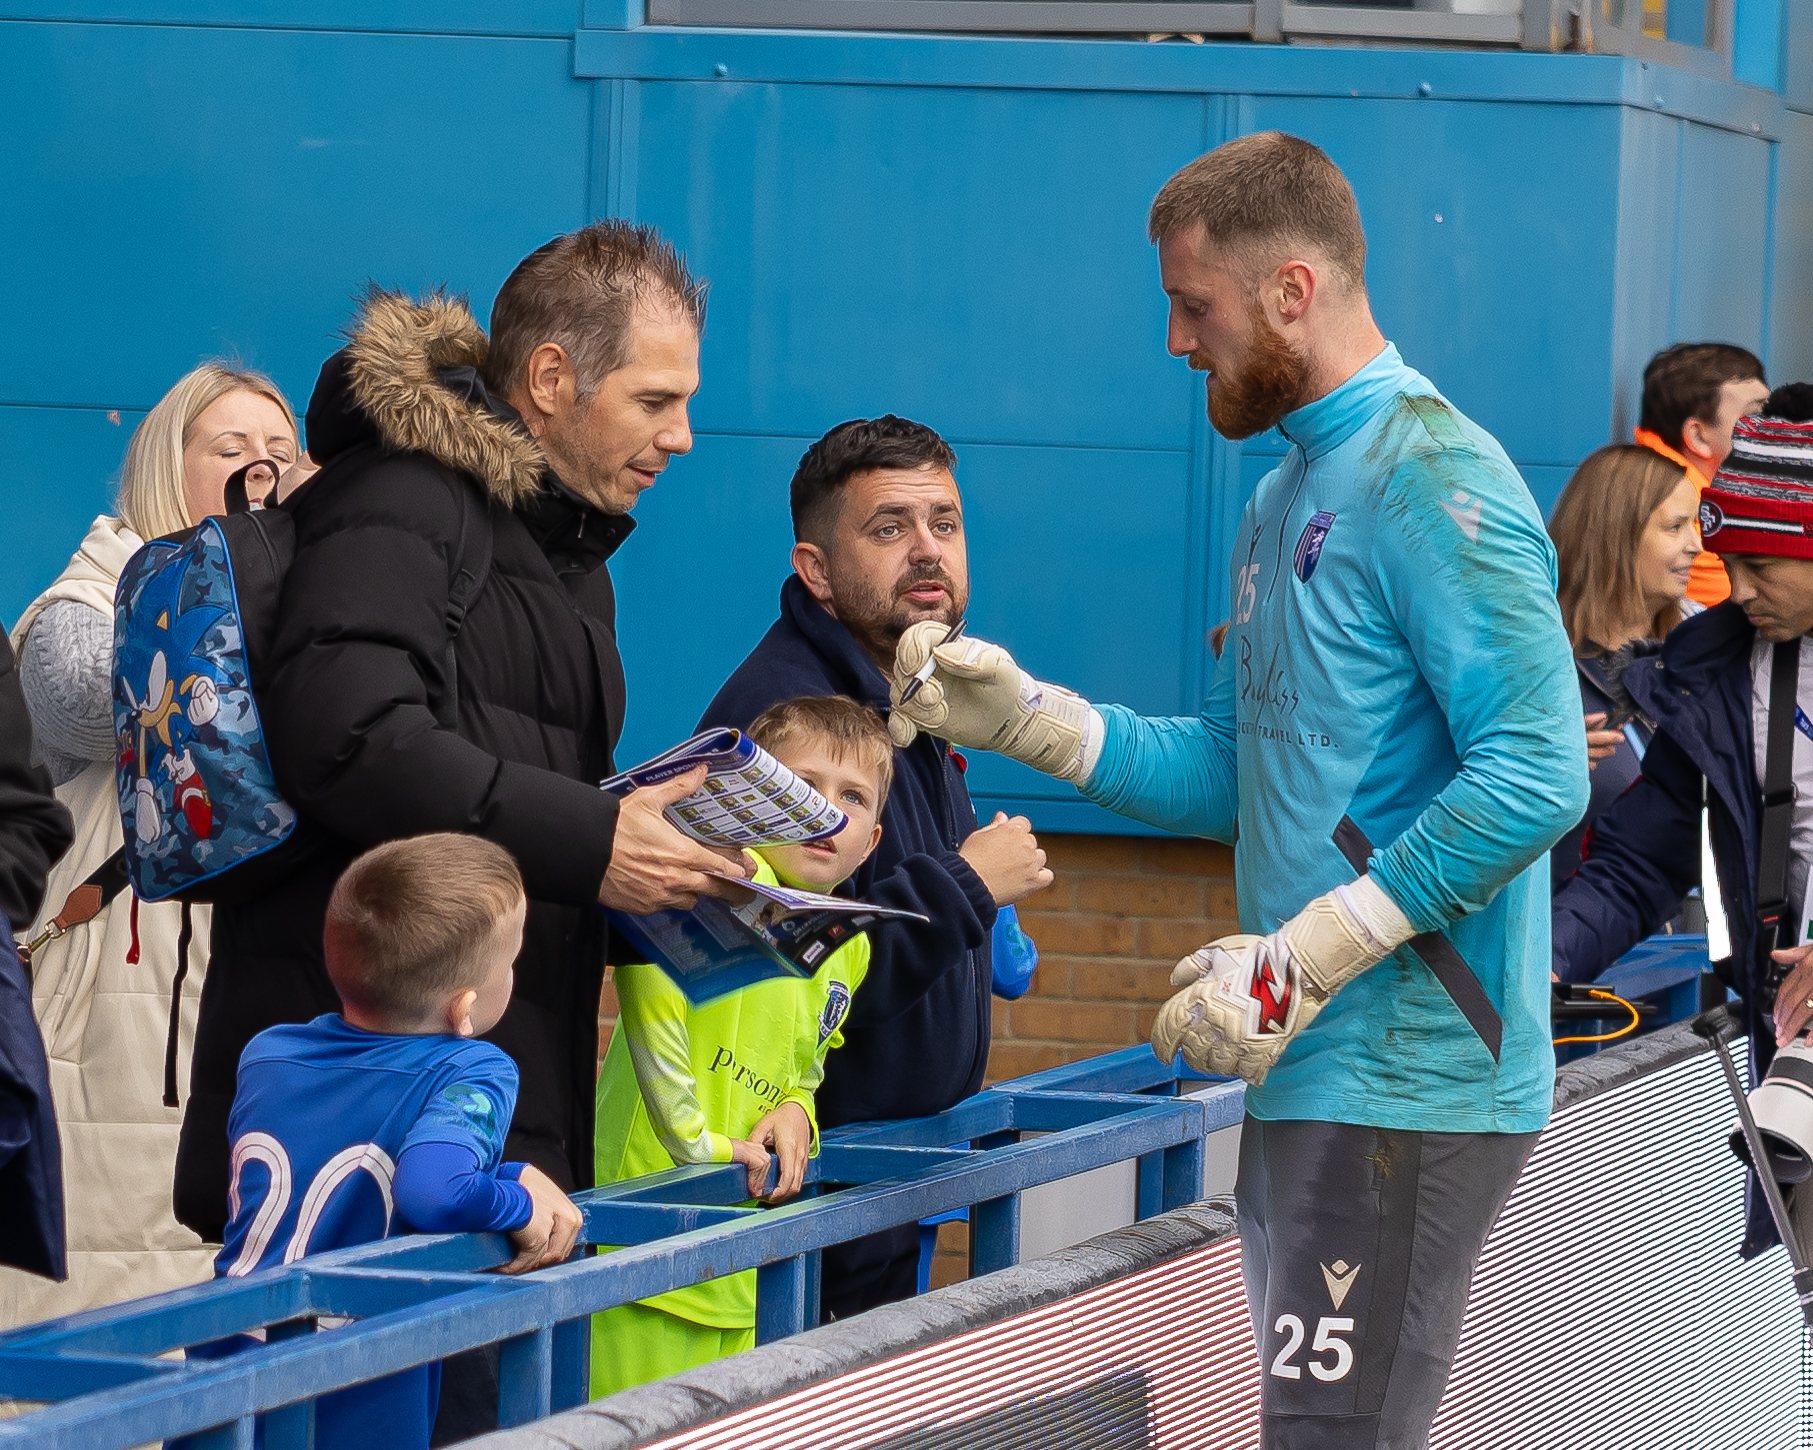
(1730, 694)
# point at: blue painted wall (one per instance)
(952, 229)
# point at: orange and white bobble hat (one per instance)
(1761, 499)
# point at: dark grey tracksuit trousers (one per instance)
(1357, 1245)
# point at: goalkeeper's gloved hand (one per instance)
(1245, 998)
(979, 698)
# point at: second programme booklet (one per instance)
(757, 932)
(749, 798)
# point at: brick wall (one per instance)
(1109, 929)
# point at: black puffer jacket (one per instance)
(35, 828)
(401, 424)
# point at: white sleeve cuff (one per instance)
(1376, 914)
(1089, 749)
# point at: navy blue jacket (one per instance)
(916, 1039)
(1644, 853)
(35, 830)
(1615, 774)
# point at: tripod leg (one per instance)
(1772, 1192)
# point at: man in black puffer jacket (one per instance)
(879, 524)
(542, 438)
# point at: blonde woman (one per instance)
(102, 992)
(1625, 535)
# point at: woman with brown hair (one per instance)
(1625, 539)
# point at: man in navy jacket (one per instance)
(1707, 692)
(880, 545)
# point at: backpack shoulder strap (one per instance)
(471, 567)
(1778, 798)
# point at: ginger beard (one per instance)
(1269, 383)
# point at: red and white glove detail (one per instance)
(1245, 998)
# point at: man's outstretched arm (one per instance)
(1644, 857)
(1178, 773)
(1173, 773)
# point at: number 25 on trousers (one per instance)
(1326, 1342)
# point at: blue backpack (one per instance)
(194, 618)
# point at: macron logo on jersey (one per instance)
(1465, 511)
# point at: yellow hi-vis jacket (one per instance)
(680, 1081)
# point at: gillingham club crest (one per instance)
(1309, 545)
(837, 1007)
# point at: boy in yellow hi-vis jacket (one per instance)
(732, 1080)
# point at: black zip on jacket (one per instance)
(916, 1040)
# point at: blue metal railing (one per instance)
(419, 1299)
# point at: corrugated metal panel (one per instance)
(1610, 1307)
(1609, 1312)
(1182, 1324)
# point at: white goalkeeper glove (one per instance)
(1245, 998)
(979, 698)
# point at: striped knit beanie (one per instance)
(1761, 499)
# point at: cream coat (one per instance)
(104, 1024)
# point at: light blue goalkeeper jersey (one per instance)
(1396, 655)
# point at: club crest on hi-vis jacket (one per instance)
(196, 792)
(837, 1007)
(1309, 545)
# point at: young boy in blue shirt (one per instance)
(388, 1117)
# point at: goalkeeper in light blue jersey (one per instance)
(1393, 741)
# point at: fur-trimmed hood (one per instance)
(410, 371)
